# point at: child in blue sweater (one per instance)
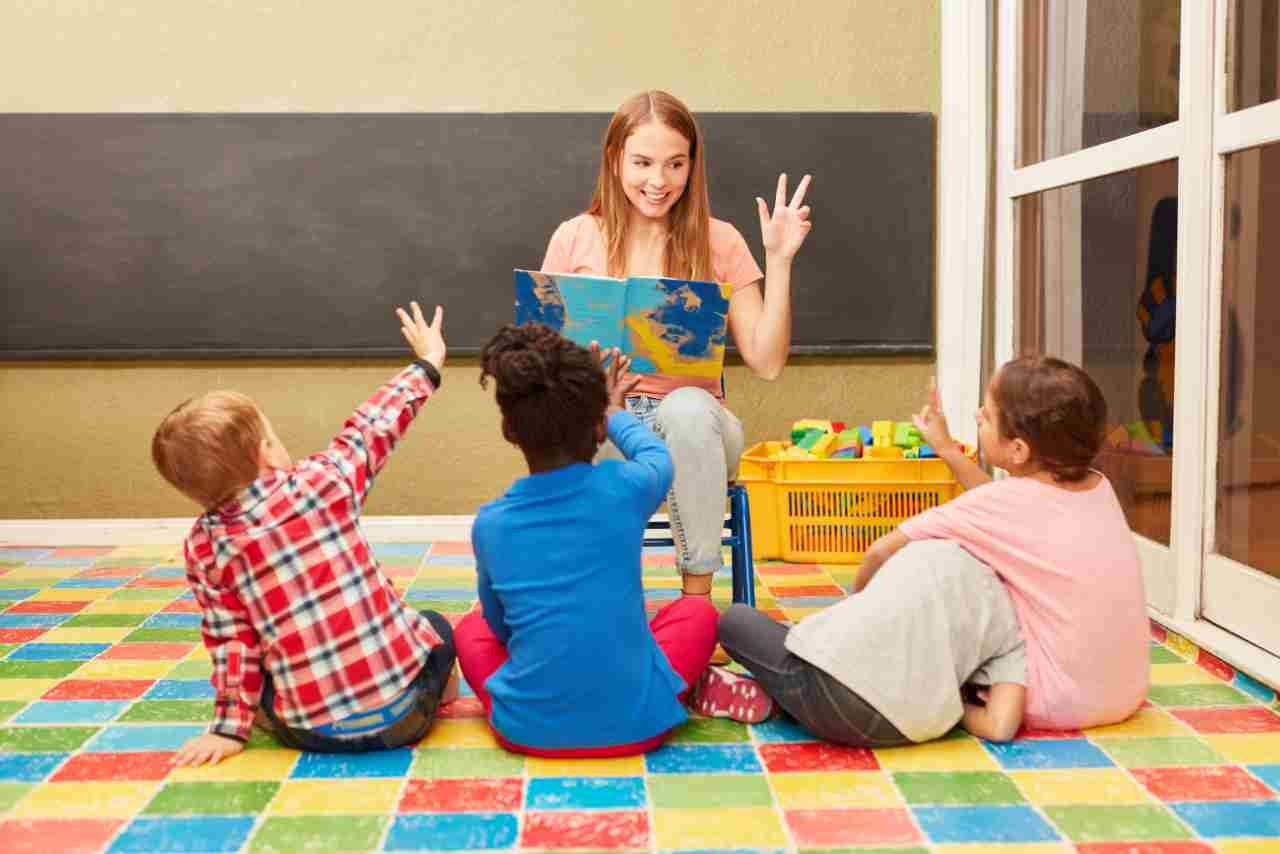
(560, 651)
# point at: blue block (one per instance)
(1253, 688)
(91, 583)
(71, 712)
(864, 432)
(28, 767)
(173, 621)
(702, 759)
(380, 763)
(572, 793)
(58, 651)
(181, 689)
(1036, 753)
(17, 594)
(1231, 818)
(453, 832)
(984, 824)
(145, 737)
(210, 833)
(32, 621)
(781, 728)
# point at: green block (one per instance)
(466, 762)
(132, 594)
(169, 711)
(191, 669)
(44, 739)
(319, 833)
(1197, 695)
(1122, 823)
(698, 730)
(37, 669)
(810, 438)
(241, 798)
(163, 636)
(11, 793)
(905, 435)
(1159, 752)
(957, 787)
(709, 791)
(9, 708)
(105, 621)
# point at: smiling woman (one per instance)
(650, 215)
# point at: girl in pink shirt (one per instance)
(650, 215)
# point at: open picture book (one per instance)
(667, 326)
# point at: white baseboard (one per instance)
(146, 532)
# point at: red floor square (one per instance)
(830, 828)
(181, 606)
(115, 766)
(464, 707)
(1049, 733)
(158, 582)
(19, 635)
(438, 549)
(83, 551)
(74, 836)
(770, 570)
(1145, 848)
(777, 614)
(782, 591)
(472, 795)
(817, 756)
(1204, 783)
(147, 651)
(111, 572)
(46, 607)
(98, 689)
(1242, 719)
(399, 571)
(570, 829)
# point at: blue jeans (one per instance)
(428, 686)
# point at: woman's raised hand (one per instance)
(785, 229)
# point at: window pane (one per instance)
(1094, 71)
(1253, 52)
(1248, 502)
(1096, 286)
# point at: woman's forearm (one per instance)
(771, 338)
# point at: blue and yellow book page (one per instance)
(667, 326)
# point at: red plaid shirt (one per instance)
(287, 582)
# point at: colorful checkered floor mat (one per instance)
(102, 677)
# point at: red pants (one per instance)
(684, 629)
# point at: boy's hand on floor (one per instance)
(207, 749)
(426, 340)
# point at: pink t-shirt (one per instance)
(1071, 567)
(578, 246)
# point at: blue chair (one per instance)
(738, 539)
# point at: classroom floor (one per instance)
(102, 677)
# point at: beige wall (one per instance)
(77, 439)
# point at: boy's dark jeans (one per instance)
(821, 704)
(429, 685)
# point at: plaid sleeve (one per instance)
(372, 431)
(233, 646)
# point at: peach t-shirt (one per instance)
(1071, 568)
(578, 246)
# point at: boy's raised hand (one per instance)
(931, 423)
(615, 376)
(785, 229)
(426, 340)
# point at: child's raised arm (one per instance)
(1000, 717)
(932, 425)
(648, 460)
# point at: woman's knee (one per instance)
(687, 410)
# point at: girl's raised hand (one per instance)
(426, 340)
(785, 229)
(615, 376)
(931, 423)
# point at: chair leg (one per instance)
(744, 583)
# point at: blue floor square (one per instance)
(380, 763)
(662, 593)
(71, 712)
(58, 651)
(1049, 753)
(173, 621)
(984, 824)
(165, 572)
(452, 832)
(32, 621)
(212, 833)
(24, 554)
(69, 560)
(463, 594)
(452, 560)
(1231, 818)
(1269, 774)
(781, 728)
(385, 551)
(560, 793)
(17, 594)
(91, 583)
(149, 737)
(181, 689)
(702, 759)
(28, 767)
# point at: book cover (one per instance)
(667, 326)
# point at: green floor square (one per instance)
(105, 621)
(134, 594)
(1164, 655)
(212, 799)
(1197, 695)
(163, 636)
(444, 606)
(6, 648)
(466, 762)
(44, 739)
(9, 708)
(1122, 823)
(191, 669)
(169, 711)
(701, 730)
(319, 833)
(1159, 752)
(957, 787)
(693, 791)
(37, 669)
(11, 793)
(260, 739)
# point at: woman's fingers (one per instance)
(801, 189)
(780, 199)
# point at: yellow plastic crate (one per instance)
(831, 511)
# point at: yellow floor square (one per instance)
(85, 635)
(618, 766)
(25, 689)
(955, 754)
(124, 606)
(1006, 848)
(40, 573)
(70, 594)
(119, 668)
(198, 652)
(838, 789)
(734, 827)
(1146, 722)
(1248, 846)
(325, 797)
(779, 583)
(1080, 786)
(460, 732)
(798, 614)
(1253, 749)
(249, 765)
(142, 554)
(1181, 674)
(85, 800)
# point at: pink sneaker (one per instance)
(723, 694)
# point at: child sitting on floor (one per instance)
(560, 651)
(306, 633)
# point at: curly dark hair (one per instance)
(551, 391)
(1056, 408)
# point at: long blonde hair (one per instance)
(688, 251)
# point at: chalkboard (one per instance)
(295, 235)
